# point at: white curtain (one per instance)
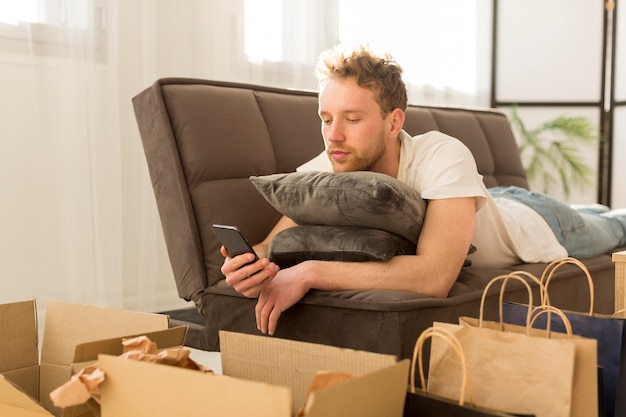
(78, 220)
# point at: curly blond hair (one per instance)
(371, 69)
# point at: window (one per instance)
(420, 38)
(440, 65)
(287, 30)
(14, 12)
(263, 30)
(51, 27)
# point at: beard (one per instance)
(364, 160)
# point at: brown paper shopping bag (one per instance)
(585, 399)
(609, 331)
(510, 371)
(585, 383)
(421, 403)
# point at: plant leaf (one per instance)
(552, 151)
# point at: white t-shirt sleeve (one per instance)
(440, 166)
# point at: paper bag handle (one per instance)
(543, 294)
(548, 309)
(518, 275)
(466, 387)
(554, 265)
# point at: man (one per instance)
(362, 105)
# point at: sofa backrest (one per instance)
(203, 139)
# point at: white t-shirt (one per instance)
(439, 166)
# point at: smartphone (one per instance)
(233, 240)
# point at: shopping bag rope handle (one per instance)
(546, 277)
(466, 387)
(548, 309)
(518, 275)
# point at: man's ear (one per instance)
(396, 121)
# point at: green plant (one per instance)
(551, 152)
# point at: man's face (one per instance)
(352, 125)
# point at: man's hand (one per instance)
(277, 295)
(245, 277)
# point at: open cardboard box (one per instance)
(263, 377)
(74, 335)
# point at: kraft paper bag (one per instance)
(585, 385)
(510, 371)
(421, 403)
(608, 331)
(514, 372)
(585, 401)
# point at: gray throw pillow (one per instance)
(336, 243)
(361, 198)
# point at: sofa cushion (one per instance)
(336, 243)
(361, 198)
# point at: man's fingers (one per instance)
(248, 279)
(240, 262)
(267, 314)
(258, 312)
(273, 320)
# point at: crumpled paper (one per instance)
(322, 379)
(80, 388)
(84, 386)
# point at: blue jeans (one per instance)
(583, 230)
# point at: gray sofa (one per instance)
(204, 139)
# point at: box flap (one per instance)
(69, 324)
(167, 338)
(291, 363)
(18, 343)
(51, 377)
(7, 410)
(142, 389)
(15, 403)
(380, 393)
(26, 379)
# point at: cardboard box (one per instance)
(262, 376)
(16, 403)
(74, 334)
(19, 351)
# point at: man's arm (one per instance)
(282, 224)
(446, 235)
